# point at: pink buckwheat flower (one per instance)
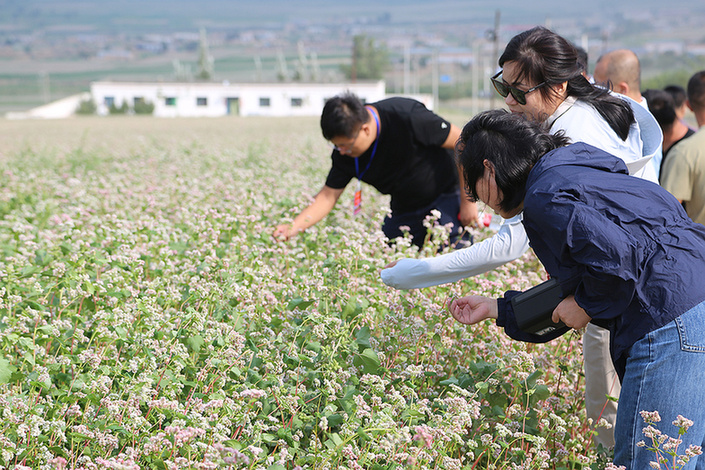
(58, 462)
(683, 423)
(650, 416)
(423, 434)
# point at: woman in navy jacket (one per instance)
(623, 251)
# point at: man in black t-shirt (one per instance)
(402, 149)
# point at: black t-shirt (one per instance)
(409, 163)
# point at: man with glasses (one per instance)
(400, 148)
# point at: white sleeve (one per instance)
(508, 244)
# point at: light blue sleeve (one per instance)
(508, 244)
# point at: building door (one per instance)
(233, 106)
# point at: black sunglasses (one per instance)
(504, 89)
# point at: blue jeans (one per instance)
(665, 372)
(448, 204)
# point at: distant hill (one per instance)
(50, 49)
(160, 16)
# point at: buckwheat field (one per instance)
(148, 319)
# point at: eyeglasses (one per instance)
(504, 89)
(347, 147)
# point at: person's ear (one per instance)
(622, 88)
(560, 89)
(489, 166)
(690, 107)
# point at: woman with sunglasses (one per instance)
(542, 80)
(623, 251)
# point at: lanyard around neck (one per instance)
(374, 150)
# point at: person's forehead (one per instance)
(512, 75)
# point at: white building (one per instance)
(240, 99)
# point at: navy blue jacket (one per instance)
(623, 246)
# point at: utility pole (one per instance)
(258, 68)
(475, 76)
(283, 72)
(435, 77)
(407, 69)
(493, 35)
(353, 67)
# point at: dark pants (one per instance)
(448, 204)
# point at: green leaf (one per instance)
(300, 303)
(195, 343)
(158, 464)
(362, 338)
(541, 393)
(334, 420)
(6, 371)
(449, 381)
(369, 361)
(531, 380)
(29, 271)
(353, 308)
(498, 411)
(121, 332)
(334, 442)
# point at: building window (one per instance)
(137, 100)
(297, 102)
(170, 101)
(109, 101)
(202, 101)
(264, 103)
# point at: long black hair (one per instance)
(511, 144)
(544, 56)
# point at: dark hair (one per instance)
(582, 59)
(661, 105)
(696, 91)
(342, 116)
(544, 56)
(511, 144)
(677, 92)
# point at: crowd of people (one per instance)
(603, 180)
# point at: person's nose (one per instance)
(510, 100)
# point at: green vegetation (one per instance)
(86, 107)
(143, 107)
(369, 60)
(149, 320)
(669, 70)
